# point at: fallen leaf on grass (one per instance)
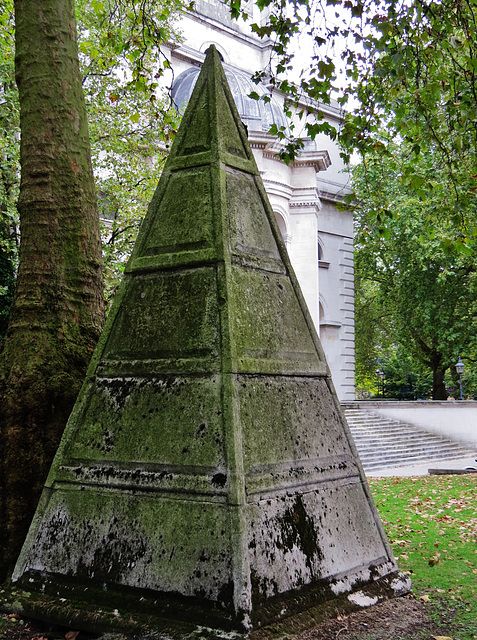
(433, 560)
(442, 638)
(71, 635)
(424, 598)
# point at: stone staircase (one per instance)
(384, 443)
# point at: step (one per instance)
(405, 459)
(422, 446)
(386, 443)
(422, 451)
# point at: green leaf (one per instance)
(97, 6)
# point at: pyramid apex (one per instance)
(211, 50)
(211, 127)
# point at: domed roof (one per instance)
(257, 115)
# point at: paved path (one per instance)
(423, 469)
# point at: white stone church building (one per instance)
(303, 195)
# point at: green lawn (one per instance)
(431, 523)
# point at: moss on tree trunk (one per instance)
(57, 313)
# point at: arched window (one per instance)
(320, 250)
(282, 225)
(220, 50)
(322, 262)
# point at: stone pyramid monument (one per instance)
(207, 473)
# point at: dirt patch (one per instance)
(399, 619)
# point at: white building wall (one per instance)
(335, 235)
(304, 256)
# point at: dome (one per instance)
(257, 115)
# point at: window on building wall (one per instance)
(282, 225)
(322, 263)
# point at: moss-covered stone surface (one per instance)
(207, 468)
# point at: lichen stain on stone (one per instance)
(179, 210)
(297, 528)
(219, 479)
(293, 403)
(153, 325)
(108, 561)
(180, 420)
(284, 545)
(249, 229)
(119, 390)
(263, 588)
(106, 537)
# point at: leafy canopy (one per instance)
(131, 117)
(408, 66)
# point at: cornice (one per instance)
(304, 205)
(271, 146)
(259, 44)
(278, 187)
(331, 323)
(332, 197)
(320, 160)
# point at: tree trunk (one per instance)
(57, 313)
(438, 386)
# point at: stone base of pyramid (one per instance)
(144, 614)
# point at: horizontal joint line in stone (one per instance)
(250, 262)
(167, 493)
(308, 486)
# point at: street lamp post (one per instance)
(381, 375)
(459, 367)
(380, 379)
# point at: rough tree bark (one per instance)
(57, 313)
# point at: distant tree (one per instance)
(405, 377)
(373, 332)
(131, 120)
(420, 277)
